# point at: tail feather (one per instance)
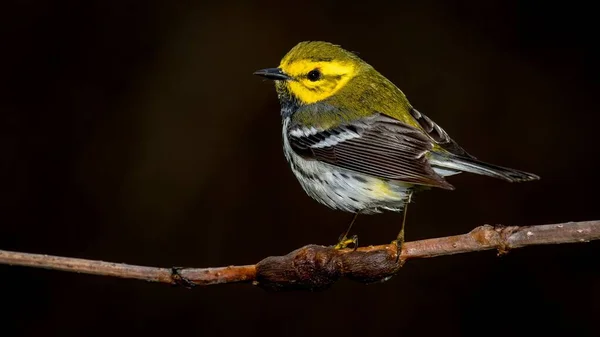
(453, 163)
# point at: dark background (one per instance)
(134, 131)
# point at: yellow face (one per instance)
(314, 81)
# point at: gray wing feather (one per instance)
(438, 134)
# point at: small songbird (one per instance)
(353, 140)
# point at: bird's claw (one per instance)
(344, 242)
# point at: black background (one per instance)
(133, 131)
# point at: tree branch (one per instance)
(318, 267)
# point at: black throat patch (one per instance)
(289, 103)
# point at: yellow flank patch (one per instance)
(334, 76)
(382, 190)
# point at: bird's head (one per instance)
(313, 71)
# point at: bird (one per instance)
(354, 141)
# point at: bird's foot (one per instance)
(344, 242)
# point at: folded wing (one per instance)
(377, 145)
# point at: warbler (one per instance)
(353, 140)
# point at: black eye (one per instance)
(314, 75)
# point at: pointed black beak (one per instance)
(272, 74)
